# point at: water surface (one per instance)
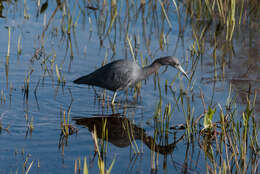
(132, 126)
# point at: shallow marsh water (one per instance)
(41, 102)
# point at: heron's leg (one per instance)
(114, 96)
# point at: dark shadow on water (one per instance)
(122, 132)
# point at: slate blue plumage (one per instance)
(122, 74)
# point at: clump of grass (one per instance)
(27, 163)
(208, 118)
(85, 170)
(26, 87)
(230, 144)
(100, 151)
(61, 78)
(227, 13)
(162, 120)
(66, 128)
(101, 163)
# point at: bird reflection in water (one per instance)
(121, 132)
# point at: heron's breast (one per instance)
(135, 75)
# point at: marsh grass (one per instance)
(101, 163)
(3, 97)
(8, 48)
(130, 133)
(66, 128)
(30, 125)
(19, 48)
(230, 144)
(161, 136)
(226, 136)
(100, 148)
(25, 162)
(225, 16)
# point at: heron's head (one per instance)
(174, 62)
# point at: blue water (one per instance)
(51, 97)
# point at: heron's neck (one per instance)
(148, 70)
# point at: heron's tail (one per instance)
(82, 80)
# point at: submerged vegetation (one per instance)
(217, 41)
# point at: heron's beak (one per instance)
(182, 71)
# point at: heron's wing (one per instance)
(119, 75)
(113, 76)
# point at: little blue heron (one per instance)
(122, 74)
